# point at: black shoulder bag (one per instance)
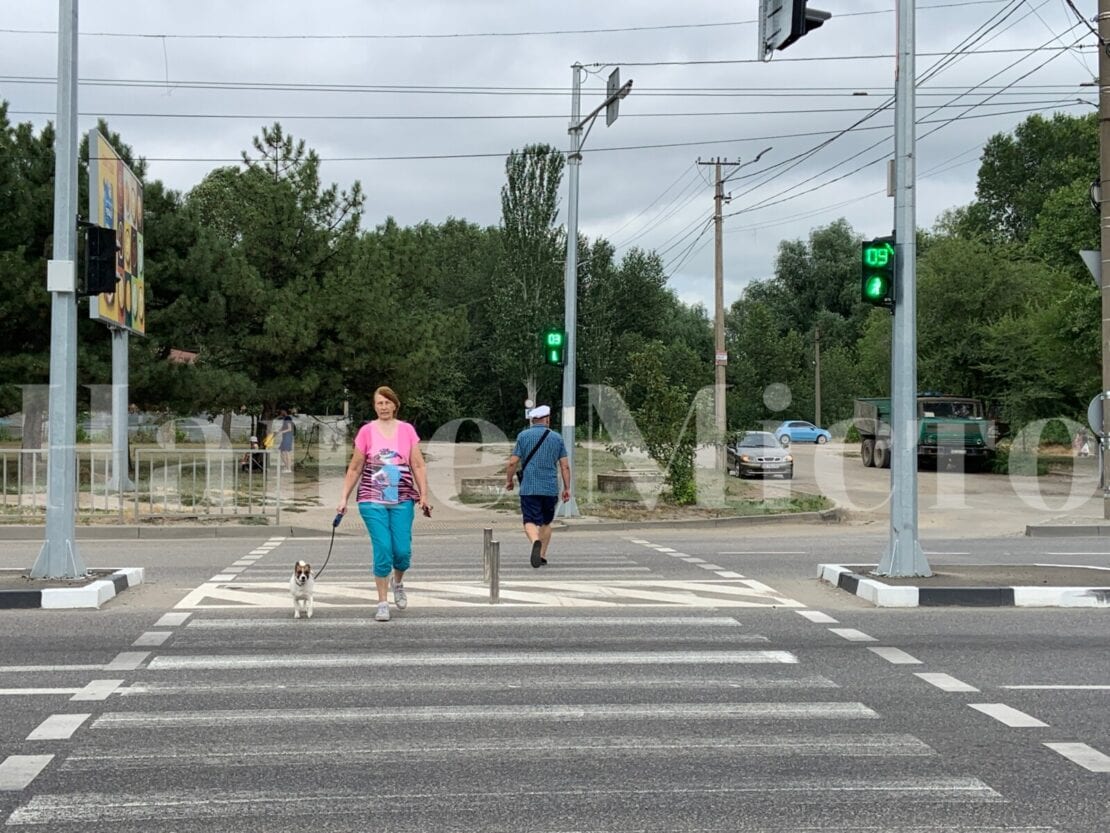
(535, 448)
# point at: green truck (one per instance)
(950, 428)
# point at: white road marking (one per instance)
(97, 690)
(693, 559)
(40, 669)
(818, 617)
(58, 727)
(853, 635)
(221, 577)
(1080, 753)
(945, 682)
(1084, 566)
(89, 809)
(526, 682)
(233, 570)
(455, 622)
(10, 692)
(1008, 715)
(663, 549)
(896, 656)
(18, 771)
(728, 574)
(356, 750)
(243, 562)
(499, 658)
(498, 713)
(151, 639)
(170, 620)
(1058, 687)
(762, 552)
(708, 593)
(708, 566)
(127, 660)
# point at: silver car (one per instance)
(759, 453)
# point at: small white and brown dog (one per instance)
(301, 587)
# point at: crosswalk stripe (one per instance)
(709, 592)
(553, 681)
(499, 658)
(186, 805)
(483, 622)
(356, 750)
(499, 713)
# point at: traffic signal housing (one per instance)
(554, 347)
(879, 266)
(100, 260)
(781, 22)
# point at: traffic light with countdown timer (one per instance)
(554, 347)
(877, 283)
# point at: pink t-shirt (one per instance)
(386, 475)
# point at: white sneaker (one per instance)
(400, 597)
(383, 612)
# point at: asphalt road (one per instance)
(671, 679)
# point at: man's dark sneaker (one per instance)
(543, 562)
(537, 559)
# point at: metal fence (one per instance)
(166, 484)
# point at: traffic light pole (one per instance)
(904, 556)
(570, 285)
(59, 557)
(570, 279)
(1104, 210)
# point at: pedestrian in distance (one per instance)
(542, 457)
(285, 434)
(388, 468)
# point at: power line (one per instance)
(484, 116)
(454, 35)
(476, 89)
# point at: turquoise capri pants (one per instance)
(390, 528)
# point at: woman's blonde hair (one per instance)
(389, 394)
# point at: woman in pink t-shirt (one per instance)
(389, 469)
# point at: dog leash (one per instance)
(334, 526)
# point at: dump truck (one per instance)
(950, 428)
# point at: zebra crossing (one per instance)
(676, 714)
(446, 722)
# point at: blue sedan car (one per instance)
(799, 431)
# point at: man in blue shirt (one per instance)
(542, 451)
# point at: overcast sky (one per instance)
(188, 84)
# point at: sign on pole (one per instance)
(612, 109)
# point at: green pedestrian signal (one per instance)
(879, 261)
(554, 347)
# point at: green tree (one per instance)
(528, 287)
(1018, 172)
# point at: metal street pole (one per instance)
(1104, 218)
(570, 284)
(719, 361)
(904, 556)
(817, 376)
(59, 557)
(570, 278)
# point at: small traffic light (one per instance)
(554, 347)
(100, 260)
(781, 22)
(877, 283)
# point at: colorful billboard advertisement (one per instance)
(116, 202)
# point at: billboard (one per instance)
(116, 202)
